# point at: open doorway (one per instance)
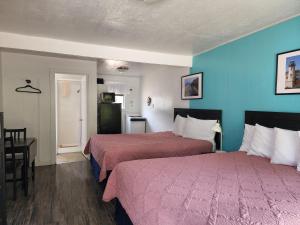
(71, 110)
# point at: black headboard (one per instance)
(204, 114)
(284, 120)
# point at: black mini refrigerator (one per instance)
(109, 118)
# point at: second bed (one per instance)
(109, 150)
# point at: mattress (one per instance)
(109, 150)
(228, 188)
(95, 167)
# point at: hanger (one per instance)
(33, 90)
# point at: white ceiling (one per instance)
(170, 26)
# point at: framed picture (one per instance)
(192, 86)
(288, 73)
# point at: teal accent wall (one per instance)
(241, 76)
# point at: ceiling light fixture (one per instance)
(114, 63)
(120, 66)
(122, 69)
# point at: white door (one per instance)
(69, 115)
(70, 112)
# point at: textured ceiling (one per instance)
(171, 26)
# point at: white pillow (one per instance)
(199, 129)
(262, 143)
(248, 135)
(287, 147)
(179, 125)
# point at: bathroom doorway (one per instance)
(71, 110)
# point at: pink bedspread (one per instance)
(109, 150)
(214, 189)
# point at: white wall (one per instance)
(36, 112)
(132, 98)
(163, 85)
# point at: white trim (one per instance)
(68, 150)
(69, 77)
(43, 44)
(247, 34)
(54, 77)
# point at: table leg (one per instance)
(26, 170)
(33, 169)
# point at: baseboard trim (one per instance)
(69, 150)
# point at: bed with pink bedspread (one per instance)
(110, 149)
(214, 189)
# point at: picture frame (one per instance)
(192, 86)
(288, 73)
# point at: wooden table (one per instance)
(24, 147)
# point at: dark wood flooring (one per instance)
(63, 194)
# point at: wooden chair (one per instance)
(20, 134)
(12, 164)
(16, 134)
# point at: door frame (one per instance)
(56, 76)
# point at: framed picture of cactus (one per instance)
(288, 73)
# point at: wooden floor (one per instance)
(63, 194)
